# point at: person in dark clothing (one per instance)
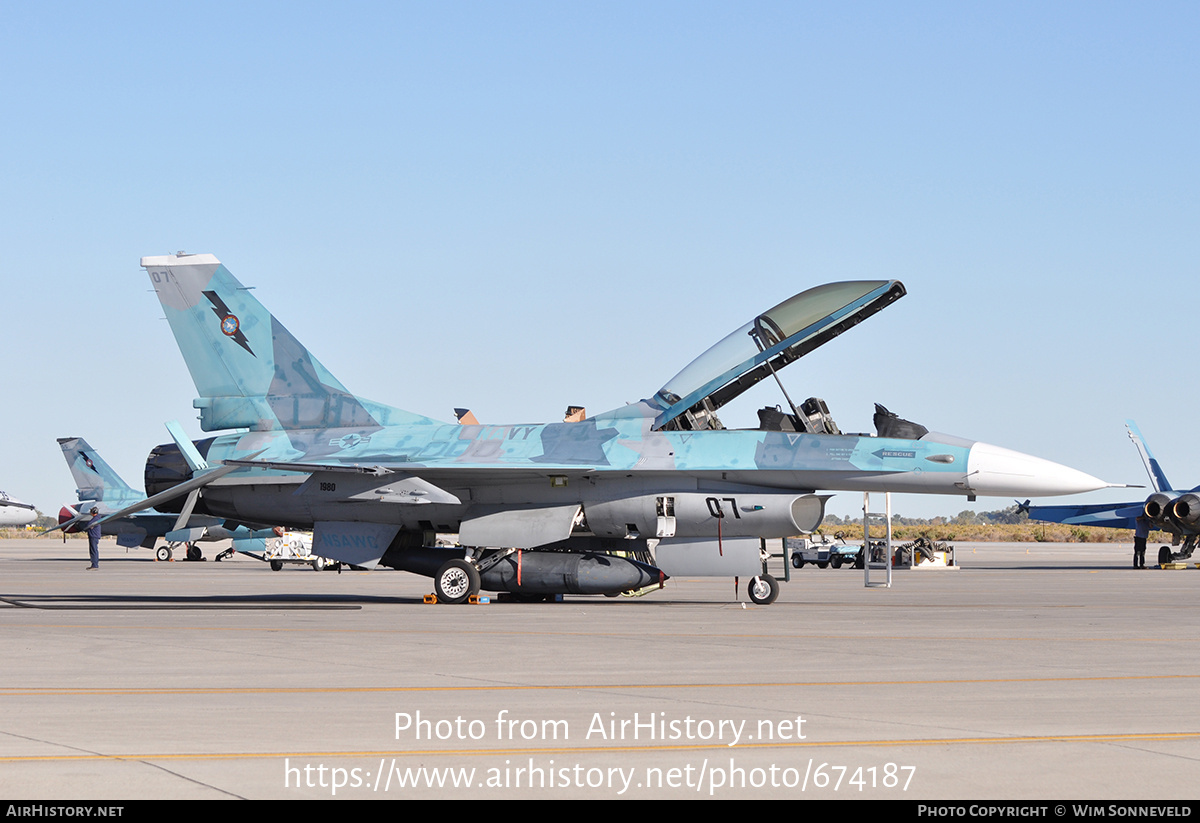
(93, 533)
(1141, 531)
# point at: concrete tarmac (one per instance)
(1036, 671)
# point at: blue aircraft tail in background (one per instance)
(95, 480)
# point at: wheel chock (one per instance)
(479, 600)
(430, 599)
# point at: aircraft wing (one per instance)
(195, 483)
(378, 483)
(1108, 515)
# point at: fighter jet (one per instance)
(554, 508)
(15, 513)
(100, 487)
(1167, 509)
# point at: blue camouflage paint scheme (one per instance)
(274, 384)
(618, 446)
(310, 453)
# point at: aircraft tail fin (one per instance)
(249, 370)
(1157, 477)
(94, 479)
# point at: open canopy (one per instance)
(769, 342)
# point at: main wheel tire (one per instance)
(318, 564)
(763, 589)
(1164, 555)
(194, 553)
(456, 581)
(276, 565)
(162, 553)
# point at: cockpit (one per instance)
(762, 347)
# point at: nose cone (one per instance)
(999, 472)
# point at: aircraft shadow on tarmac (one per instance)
(212, 602)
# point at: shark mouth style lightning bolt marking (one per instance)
(230, 326)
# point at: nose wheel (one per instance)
(763, 589)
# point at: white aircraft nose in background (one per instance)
(14, 512)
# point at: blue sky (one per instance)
(519, 206)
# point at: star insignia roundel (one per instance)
(230, 325)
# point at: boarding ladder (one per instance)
(769, 554)
(882, 566)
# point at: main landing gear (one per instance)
(166, 553)
(456, 581)
(1165, 555)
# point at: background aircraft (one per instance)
(100, 486)
(15, 513)
(1167, 509)
(540, 509)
